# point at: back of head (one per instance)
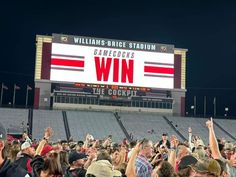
(200, 153)
(186, 161)
(184, 173)
(229, 146)
(182, 151)
(64, 157)
(132, 144)
(165, 170)
(52, 164)
(13, 152)
(103, 155)
(208, 166)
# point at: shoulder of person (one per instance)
(15, 170)
(81, 171)
(68, 174)
(75, 172)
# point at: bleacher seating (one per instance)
(198, 126)
(47, 118)
(15, 120)
(142, 125)
(99, 124)
(228, 125)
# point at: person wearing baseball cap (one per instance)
(102, 168)
(76, 161)
(8, 169)
(27, 153)
(206, 167)
(46, 150)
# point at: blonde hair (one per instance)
(52, 164)
(200, 153)
(13, 151)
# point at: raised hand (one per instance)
(138, 147)
(25, 136)
(48, 132)
(173, 141)
(209, 123)
(189, 130)
(87, 137)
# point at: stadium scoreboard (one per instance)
(111, 62)
(76, 70)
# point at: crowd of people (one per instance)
(91, 157)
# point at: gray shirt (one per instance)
(230, 169)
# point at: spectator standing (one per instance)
(46, 163)
(164, 142)
(143, 166)
(27, 153)
(76, 161)
(64, 160)
(231, 164)
(8, 169)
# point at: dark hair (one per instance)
(143, 140)
(132, 144)
(115, 147)
(184, 172)
(166, 170)
(221, 146)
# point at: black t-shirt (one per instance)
(167, 143)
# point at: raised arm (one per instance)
(191, 145)
(26, 137)
(47, 134)
(130, 169)
(92, 155)
(172, 153)
(212, 140)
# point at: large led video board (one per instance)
(112, 62)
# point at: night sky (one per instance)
(206, 28)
